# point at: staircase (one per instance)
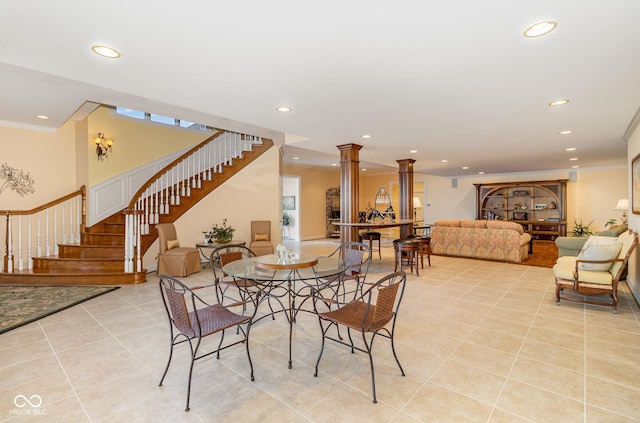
(110, 252)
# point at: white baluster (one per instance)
(78, 217)
(38, 238)
(55, 230)
(9, 247)
(64, 227)
(29, 256)
(47, 247)
(138, 242)
(20, 267)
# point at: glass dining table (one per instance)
(293, 279)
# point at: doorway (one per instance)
(290, 207)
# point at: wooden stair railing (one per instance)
(58, 221)
(168, 195)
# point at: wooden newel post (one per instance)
(349, 190)
(405, 176)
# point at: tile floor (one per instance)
(479, 341)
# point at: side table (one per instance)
(213, 245)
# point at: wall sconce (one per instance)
(103, 146)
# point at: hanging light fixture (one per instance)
(103, 146)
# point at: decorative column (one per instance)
(349, 190)
(405, 176)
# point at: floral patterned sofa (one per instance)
(482, 239)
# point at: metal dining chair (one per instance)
(191, 319)
(370, 313)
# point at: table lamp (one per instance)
(416, 204)
(623, 205)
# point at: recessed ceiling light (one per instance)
(559, 102)
(283, 109)
(334, 164)
(42, 117)
(413, 151)
(444, 161)
(573, 159)
(567, 132)
(571, 149)
(106, 51)
(296, 158)
(465, 167)
(480, 173)
(575, 167)
(364, 169)
(366, 136)
(540, 28)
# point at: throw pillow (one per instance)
(262, 237)
(173, 243)
(599, 248)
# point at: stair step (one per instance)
(27, 277)
(76, 265)
(102, 239)
(91, 251)
(114, 228)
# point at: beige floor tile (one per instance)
(497, 340)
(546, 375)
(560, 339)
(548, 353)
(469, 381)
(539, 405)
(434, 403)
(346, 401)
(66, 410)
(598, 415)
(433, 342)
(620, 399)
(27, 371)
(23, 335)
(612, 370)
(501, 416)
(514, 328)
(486, 358)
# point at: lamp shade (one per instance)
(623, 204)
(416, 202)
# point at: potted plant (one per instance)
(580, 229)
(222, 234)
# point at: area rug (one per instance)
(545, 254)
(20, 305)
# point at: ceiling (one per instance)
(455, 81)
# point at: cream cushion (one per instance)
(173, 243)
(262, 237)
(566, 266)
(599, 248)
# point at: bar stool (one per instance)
(409, 247)
(371, 236)
(425, 248)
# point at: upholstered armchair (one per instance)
(261, 237)
(571, 245)
(173, 259)
(598, 269)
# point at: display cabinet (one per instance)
(539, 206)
(333, 212)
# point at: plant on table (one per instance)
(580, 229)
(219, 233)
